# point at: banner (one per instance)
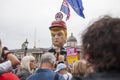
(71, 51)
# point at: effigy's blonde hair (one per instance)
(79, 68)
(59, 28)
(25, 62)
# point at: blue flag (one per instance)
(65, 9)
(77, 6)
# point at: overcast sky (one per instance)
(20, 18)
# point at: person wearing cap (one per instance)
(62, 69)
(58, 31)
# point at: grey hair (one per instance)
(48, 58)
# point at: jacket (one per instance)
(23, 74)
(78, 77)
(44, 74)
(103, 76)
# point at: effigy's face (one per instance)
(58, 38)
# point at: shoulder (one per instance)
(70, 75)
(5, 66)
(8, 75)
(23, 73)
(61, 77)
(77, 78)
(90, 76)
(58, 77)
(43, 74)
(103, 76)
(51, 50)
(8, 63)
(32, 77)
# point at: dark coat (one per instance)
(62, 51)
(23, 74)
(44, 74)
(103, 76)
(77, 77)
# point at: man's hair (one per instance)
(47, 58)
(101, 41)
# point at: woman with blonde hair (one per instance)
(27, 67)
(79, 69)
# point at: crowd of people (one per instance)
(100, 61)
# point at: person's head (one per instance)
(58, 31)
(61, 68)
(47, 60)
(79, 68)
(101, 43)
(28, 62)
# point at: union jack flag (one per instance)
(65, 9)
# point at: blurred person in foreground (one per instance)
(45, 71)
(8, 61)
(101, 44)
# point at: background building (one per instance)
(37, 52)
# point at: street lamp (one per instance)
(26, 45)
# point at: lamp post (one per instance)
(26, 45)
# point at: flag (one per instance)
(77, 7)
(65, 9)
